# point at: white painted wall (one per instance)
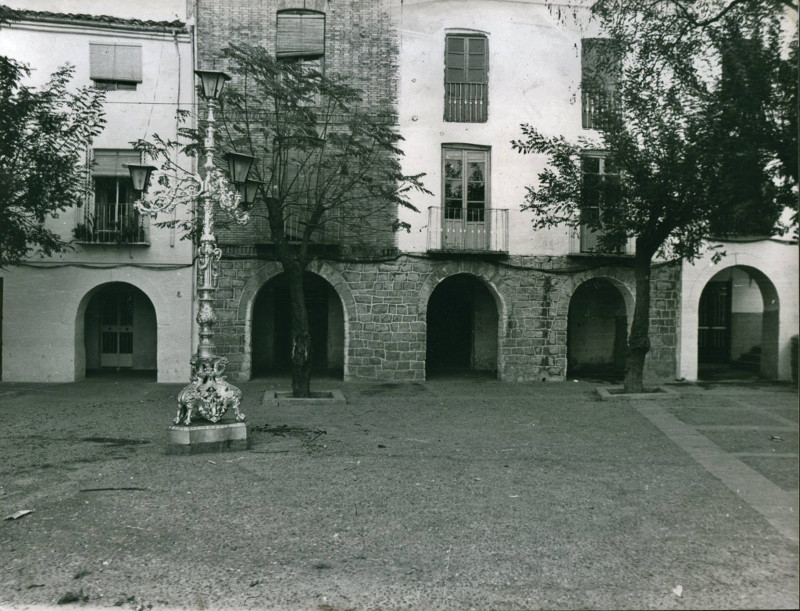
(167, 85)
(777, 260)
(534, 77)
(43, 309)
(44, 299)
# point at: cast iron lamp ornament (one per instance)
(208, 394)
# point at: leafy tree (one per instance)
(44, 134)
(328, 166)
(695, 139)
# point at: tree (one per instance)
(44, 135)
(695, 139)
(328, 169)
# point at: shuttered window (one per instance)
(300, 33)
(466, 79)
(601, 68)
(121, 63)
(109, 162)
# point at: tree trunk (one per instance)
(301, 336)
(639, 338)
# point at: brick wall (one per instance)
(361, 42)
(385, 306)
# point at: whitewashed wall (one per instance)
(44, 299)
(534, 77)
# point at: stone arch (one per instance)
(598, 321)
(266, 273)
(489, 277)
(625, 286)
(79, 311)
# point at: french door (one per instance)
(116, 330)
(465, 174)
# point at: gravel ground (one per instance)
(453, 494)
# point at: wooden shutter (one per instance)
(115, 62)
(108, 162)
(300, 34)
(466, 59)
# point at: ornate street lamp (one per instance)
(249, 189)
(208, 394)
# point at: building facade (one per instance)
(121, 299)
(471, 286)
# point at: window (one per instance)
(465, 172)
(600, 190)
(301, 39)
(114, 67)
(300, 34)
(466, 78)
(112, 218)
(601, 67)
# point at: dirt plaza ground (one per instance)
(451, 494)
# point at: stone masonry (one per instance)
(385, 306)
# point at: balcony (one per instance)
(585, 241)
(117, 224)
(468, 231)
(596, 105)
(466, 102)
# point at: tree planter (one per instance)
(274, 398)
(616, 393)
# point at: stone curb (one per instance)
(274, 398)
(663, 392)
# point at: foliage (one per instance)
(702, 138)
(44, 135)
(328, 167)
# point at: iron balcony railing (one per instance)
(468, 230)
(113, 224)
(597, 105)
(466, 102)
(586, 241)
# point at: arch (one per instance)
(624, 286)
(483, 271)
(597, 330)
(267, 272)
(129, 341)
(746, 336)
(770, 260)
(489, 278)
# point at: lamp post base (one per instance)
(209, 395)
(203, 438)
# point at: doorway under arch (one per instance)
(597, 331)
(120, 332)
(462, 330)
(738, 324)
(271, 327)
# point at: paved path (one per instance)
(780, 507)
